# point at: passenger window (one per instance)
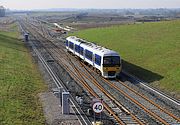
(97, 59)
(81, 50)
(88, 54)
(66, 42)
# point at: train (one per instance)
(106, 61)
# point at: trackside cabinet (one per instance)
(26, 37)
(65, 103)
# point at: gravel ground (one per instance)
(50, 102)
(128, 104)
(166, 104)
(77, 90)
(53, 111)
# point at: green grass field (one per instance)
(20, 83)
(151, 50)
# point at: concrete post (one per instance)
(65, 103)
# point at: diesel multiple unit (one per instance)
(108, 62)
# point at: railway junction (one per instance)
(92, 98)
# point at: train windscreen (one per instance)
(110, 61)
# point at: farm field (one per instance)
(150, 51)
(20, 82)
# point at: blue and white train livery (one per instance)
(108, 62)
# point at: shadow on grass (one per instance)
(10, 42)
(141, 73)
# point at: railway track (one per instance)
(155, 111)
(151, 89)
(81, 115)
(83, 82)
(159, 113)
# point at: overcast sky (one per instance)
(107, 4)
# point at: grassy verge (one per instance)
(150, 50)
(20, 83)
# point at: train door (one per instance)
(93, 60)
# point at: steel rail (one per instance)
(58, 83)
(136, 102)
(105, 105)
(112, 98)
(91, 91)
(165, 111)
(172, 100)
(108, 108)
(152, 113)
(157, 117)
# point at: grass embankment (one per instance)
(20, 83)
(151, 50)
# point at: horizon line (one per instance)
(43, 9)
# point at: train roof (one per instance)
(92, 46)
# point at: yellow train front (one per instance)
(111, 65)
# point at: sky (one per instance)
(96, 4)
